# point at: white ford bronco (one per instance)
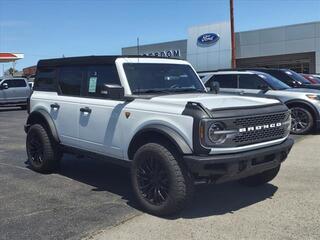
(155, 116)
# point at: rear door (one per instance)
(57, 89)
(21, 90)
(65, 107)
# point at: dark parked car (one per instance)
(289, 77)
(311, 78)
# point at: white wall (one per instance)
(210, 57)
(290, 39)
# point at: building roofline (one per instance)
(150, 44)
(289, 25)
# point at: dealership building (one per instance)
(208, 47)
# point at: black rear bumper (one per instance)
(227, 167)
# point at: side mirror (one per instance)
(115, 92)
(214, 87)
(4, 86)
(264, 88)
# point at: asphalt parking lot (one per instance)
(90, 199)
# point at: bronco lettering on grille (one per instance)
(260, 127)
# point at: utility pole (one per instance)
(233, 42)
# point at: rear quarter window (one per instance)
(45, 80)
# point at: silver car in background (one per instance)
(14, 92)
(304, 103)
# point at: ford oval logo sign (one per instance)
(207, 39)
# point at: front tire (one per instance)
(160, 183)
(261, 178)
(42, 153)
(302, 120)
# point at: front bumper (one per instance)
(227, 167)
(318, 124)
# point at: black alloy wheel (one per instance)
(153, 181)
(161, 184)
(43, 154)
(301, 120)
(35, 148)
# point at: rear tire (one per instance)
(42, 152)
(160, 183)
(261, 178)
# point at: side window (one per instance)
(20, 83)
(224, 80)
(45, 80)
(98, 75)
(250, 81)
(282, 77)
(70, 80)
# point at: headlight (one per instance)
(216, 133)
(313, 96)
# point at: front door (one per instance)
(8, 95)
(99, 129)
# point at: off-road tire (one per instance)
(179, 182)
(39, 140)
(261, 178)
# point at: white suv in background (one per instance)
(303, 102)
(14, 92)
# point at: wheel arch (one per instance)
(303, 103)
(42, 117)
(158, 132)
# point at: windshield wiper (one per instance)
(167, 91)
(150, 91)
(187, 90)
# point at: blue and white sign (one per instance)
(207, 39)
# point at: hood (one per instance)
(214, 101)
(303, 90)
(312, 86)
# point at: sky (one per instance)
(55, 28)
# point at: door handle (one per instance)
(85, 110)
(55, 105)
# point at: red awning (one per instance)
(10, 57)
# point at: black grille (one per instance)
(260, 120)
(257, 136)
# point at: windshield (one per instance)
(297, 77)
(165, 78)
(275, 83)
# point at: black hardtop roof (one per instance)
(83, 60)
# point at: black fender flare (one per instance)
(43, 117)
(165, 131)
(300, 101)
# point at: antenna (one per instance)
(138, 48)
